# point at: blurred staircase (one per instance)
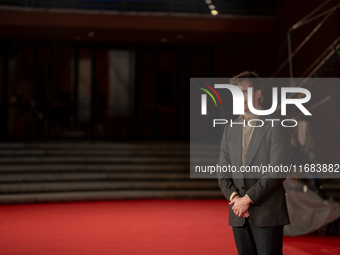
(55, 172)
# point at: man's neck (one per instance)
(249, 115)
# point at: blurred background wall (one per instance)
(120, 69)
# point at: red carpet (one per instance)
(132, 227)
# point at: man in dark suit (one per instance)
(257, 202)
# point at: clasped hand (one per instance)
(240, 206)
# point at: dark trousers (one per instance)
(251, 240)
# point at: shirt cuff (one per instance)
(233, 194)
(250, 199)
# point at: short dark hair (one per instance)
(254, 79)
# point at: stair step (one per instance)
(30, 160)
(104, 185)
(93, 167)
(97, 145)
(99, 152)
(42, 177)
(109, 195)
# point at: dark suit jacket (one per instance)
(268, 145)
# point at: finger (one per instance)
(232, 202)
(242, 213)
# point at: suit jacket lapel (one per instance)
(238, 133)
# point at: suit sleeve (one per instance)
(225, 181)
(280, 153)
